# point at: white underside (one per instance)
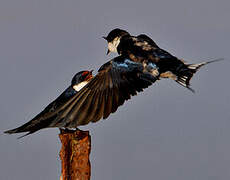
(79, 86)
(112, 46)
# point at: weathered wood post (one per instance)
(74, 154)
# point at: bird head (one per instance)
(81, 79)
(113, 39)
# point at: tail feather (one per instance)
(18, 130)
(23, 128)
(185, 74)
(32, 126)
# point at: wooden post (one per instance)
(74, 154)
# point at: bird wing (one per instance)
(62, 99)
(143, 46)
(146, 38)
(44, 118)
(116, 81)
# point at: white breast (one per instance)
(79, 86)
(112, 46)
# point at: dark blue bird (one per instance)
(143, 49)
(47, 118)
(90, 99)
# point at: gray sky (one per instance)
(164, 133)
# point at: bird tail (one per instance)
(21, 129)
(31, 126)
(24, 128)
(185, 74)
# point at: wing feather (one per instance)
(116, 82)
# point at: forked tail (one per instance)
(31, 126)
(185, 74)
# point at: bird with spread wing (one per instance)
(89, 98)
(140, 63)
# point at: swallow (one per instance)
(94, 98)
(143, 49)
(48, 115)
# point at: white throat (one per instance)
(79, 86)
(112, 46)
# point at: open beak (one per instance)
(108, 51)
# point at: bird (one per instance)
(143, 49)
(140, 64)
(116, 82)
(48, 115)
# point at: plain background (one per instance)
(164, 133)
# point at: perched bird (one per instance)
(143, 49)
(48, 115)
(115, 82)
(140, 63)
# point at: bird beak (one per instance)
(108, 51)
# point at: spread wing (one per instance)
(116, 82)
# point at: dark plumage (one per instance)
(116, 81)
(143, 49)
(88, 99)
(50, 113)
